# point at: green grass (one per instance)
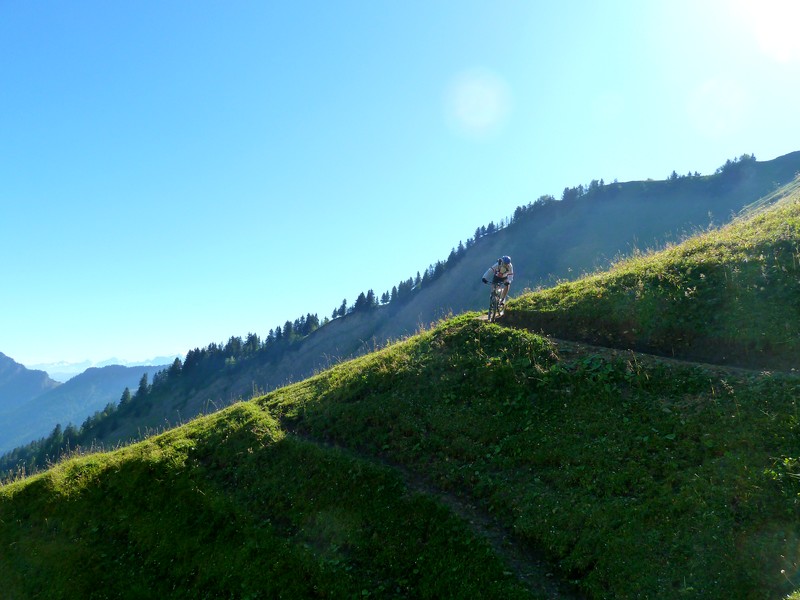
(636, 476)
(729, 296)
(230, 507)
(641, 479)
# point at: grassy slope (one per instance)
(641, 478)
(730, 296)
(229, 506)
(638, 477)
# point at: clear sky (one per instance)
(176, 173)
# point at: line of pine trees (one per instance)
(404, 290)
(207, 361)
(199, 364)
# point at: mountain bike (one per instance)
(495, 308)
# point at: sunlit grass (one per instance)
(229, 506)
(728, 296)
(639, 478)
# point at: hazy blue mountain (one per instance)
(64, 370)
(70, 402)
(19, 384)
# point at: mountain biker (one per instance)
(502, 272)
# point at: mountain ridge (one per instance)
(635, 476)
(62, 371)
(19, 384)
(71, 402)
(638, 211)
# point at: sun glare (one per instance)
(477, 103)
(775, 26)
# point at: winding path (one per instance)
(529, 566)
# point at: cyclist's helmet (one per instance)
(506, 259)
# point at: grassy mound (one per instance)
(230, 507)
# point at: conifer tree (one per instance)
(125, 399)
(452, 257)
(361, 303)
(176, 367)
(57, 435)
(70, 438)
(252, 343)
(234, 346)
(144, 387)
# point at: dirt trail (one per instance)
(567, 348)
(576, 348)
(529, 566)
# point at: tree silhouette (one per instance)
(143, 389)
(126, 398)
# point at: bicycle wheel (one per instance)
(493, 306)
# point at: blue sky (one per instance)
(175, 173)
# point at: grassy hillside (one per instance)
(729, 296)
(639, 478)
(229, 506)
(636, 477)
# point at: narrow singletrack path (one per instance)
(578, 348)
(528, 565)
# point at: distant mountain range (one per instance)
(64, 371)
(19, 384)
(32, 404)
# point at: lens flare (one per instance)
(477, 103)
(774, 24)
